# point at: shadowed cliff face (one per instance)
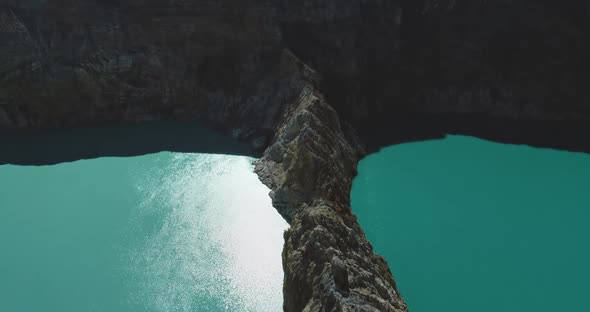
(399, 66)
(315, 84)
(67, 63)
(220, 61)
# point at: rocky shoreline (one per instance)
(316, 85)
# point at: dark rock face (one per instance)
(316, 85)
(398, 63)
(67, 63)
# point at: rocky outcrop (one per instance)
(315, 85)
(329, 264)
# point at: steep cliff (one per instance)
(316, 85)
(510, 70)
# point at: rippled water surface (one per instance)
(161, 232)
(469, 225)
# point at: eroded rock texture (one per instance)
(315, 84)
(309, 167)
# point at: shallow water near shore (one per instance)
(470, 225)
(158, 232)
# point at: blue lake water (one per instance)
(160, 232)
(469, 225)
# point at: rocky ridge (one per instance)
(329, 264)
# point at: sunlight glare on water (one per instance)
(218, 238)
(160, 232)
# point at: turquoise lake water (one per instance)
(469, 225)
(160, 232)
